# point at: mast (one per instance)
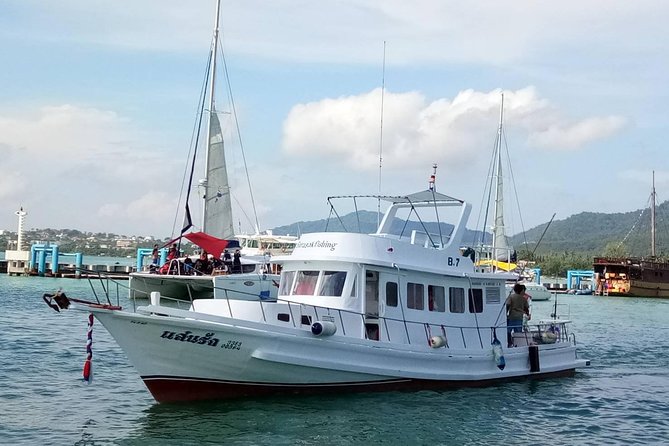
(212, 86)
(498, 236)
(652, 219)
(217, 205)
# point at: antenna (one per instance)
(383, 89)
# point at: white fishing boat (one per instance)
(395, 309)
(256, 278)
(499, 255)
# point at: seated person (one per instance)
(203, 265)
(188, 266)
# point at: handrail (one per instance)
(557, 326)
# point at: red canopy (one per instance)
(213, 245)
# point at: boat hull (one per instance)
(191, 359)
(173, 389)
(631, 277)
(248, 286)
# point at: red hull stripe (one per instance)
(179, 389)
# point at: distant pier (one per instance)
(71, 271)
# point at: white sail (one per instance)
(217, 202)
(500, 243)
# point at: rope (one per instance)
(632, 228)
(88, 365)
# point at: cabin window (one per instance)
(391, 294)
(248, 268)
(286, 282)
(415, 296)
(305, 282)
(332, 283)
(492, 295)
(476, 300)
(436, 299)
(456, 300)
(354, 287)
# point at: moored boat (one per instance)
(633, 276)
(395, 309)
(499, 255)
(536, 291)
(256, 278)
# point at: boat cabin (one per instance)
(400, 284)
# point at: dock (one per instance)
(70, 271)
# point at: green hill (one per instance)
(365, 223)
(587, 233)
(591, 233)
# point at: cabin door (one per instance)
(372, 304)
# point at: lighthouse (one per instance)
(22, 218)
(17, 258)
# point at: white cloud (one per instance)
(417, 132)
(64, 162)
(573, 136)
(152, 209)
(351, 31)
(11, 183)
(64, 132)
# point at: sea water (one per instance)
(622, 398)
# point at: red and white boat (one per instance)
(400, 308)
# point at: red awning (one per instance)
(213, 245)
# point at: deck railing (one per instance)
(372, 327)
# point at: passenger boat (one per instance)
(633, 276)
(258, 277)
(391, 310)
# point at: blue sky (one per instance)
(98, 103)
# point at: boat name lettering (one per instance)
(317, 244)
(188, 336)
(232, 345)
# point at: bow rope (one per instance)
(88, 365)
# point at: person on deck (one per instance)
(173, 252)
(227, 261)
(516, 307)
(237, 262)
(155, 255)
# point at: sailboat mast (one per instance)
(652, 219)
(499, 189)
(212, 110)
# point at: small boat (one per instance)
(634, 276)
(396, 309)
(536, 291)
